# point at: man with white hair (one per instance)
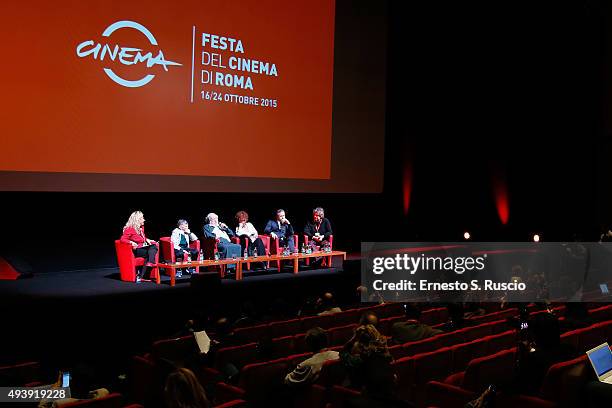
(218, 230)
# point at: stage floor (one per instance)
(62, 317)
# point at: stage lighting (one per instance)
(536, 238)
(466, 235)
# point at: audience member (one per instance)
(308, 371)
(370, 318)
(183, 390)
(133, 233)
(379, 384)
(411, 329)
(327, 305)
(281, 229)
(536, 356)
(456, 318)
(366, 343)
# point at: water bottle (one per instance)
(201, 256)
(255, 252)
(216, 256)
(189, 258)
(246, 254)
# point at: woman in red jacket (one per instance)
(133, 233)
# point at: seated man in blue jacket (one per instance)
(214, 229)
(281, 229)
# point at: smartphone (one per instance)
(65, 379)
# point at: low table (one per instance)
(172, 267)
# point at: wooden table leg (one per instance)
(172, 276)
(158, 279)
(239, 271)
(295, 264)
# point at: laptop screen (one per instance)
(602, 360)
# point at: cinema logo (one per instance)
(125, 55)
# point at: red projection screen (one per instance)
(187, 95)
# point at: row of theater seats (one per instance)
(287, 345)
(483, 361)
(456, 348)
(303, 324)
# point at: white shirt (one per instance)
(176, 237)
(248, 229)
(219, 233)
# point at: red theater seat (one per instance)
(239, 356)
(492, 369)
(338, 395)
(128, 262)
(258, 379)
(167, 249)
(253, 333)
(565, 381)
(285, 327)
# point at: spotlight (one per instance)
(536, 238)
(466, 235)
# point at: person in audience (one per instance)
(82, 387)
(246, 232)
(183, 390)
(366, 344)
(456, 319)
(319, 229)
(379, 384)
(576, 317)
(369, 318)
(308, 371)
(411, 329)
(218, 230)
(535, 356)
(181, 237)
(281, 229)
(327, 305)
(133, 233)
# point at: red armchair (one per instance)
(327, 259)
(128, 262)
(167, 249)
(274, 247)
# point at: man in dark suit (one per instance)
(319, 229)
(214, 229)
(281, 229)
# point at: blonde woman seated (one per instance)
(133, 233)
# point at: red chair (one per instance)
(209, 249)
(167, 249)
(331, 242)
(274, 247)
(128, 262)
(266, 242)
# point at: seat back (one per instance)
(238, 356)
(174, 350)
(258, 380)
(487, 370)
(167, 249)
(564, 381)
(126, 261)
